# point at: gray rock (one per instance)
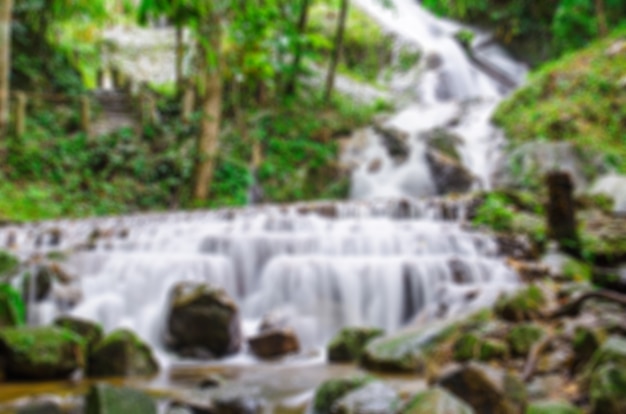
(373, 398)
(449, 175)
(436, 401)
(106, 399)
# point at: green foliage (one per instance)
(495, 213)
(8, 264)
(12, 308)
(333, 390)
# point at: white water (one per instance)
(450, 92)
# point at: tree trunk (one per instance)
(292, 84)
(180, 52)
(6, 7)
(561, 214)
(208, 141)
(603, 28)
(334, 59)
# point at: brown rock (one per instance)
(276, 343)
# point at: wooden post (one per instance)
(85, 114)
(189, 102)
(562, 225)
(20, 113)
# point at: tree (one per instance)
(292, 83)
(6, 7)
(338, 47)
(603, 28)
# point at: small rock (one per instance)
(331, 391)
(106, 399)
(349, 343)
(122, 354)
(91, 332)
(486, 389)
(436, 401)
(373, 398)
(272, 344)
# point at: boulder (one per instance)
(523, 305)
(472, 346)
(516, 246)
(396, 141)
(373, 398)
(203, 319)
(613, 186)
(552, 407)
(122, 354)
(444, 142)
(436, 401)
(42, 353)
(522, 337)
(449, 175)
(487, 390)
(12, 309)
(349, 343)
(276, 343)
(331, 391)
(91, 332)
(107, 399)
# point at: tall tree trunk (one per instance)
(6, 7)
(208, 141)
(334, 59)
(603, 28)
(180, 52)
(292, 84)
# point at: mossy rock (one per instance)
(44, 353)
(552, 407)
(607, 389)
(522, 337)
(348, 344)
(472, 347)
(107, 399)
(375, 397)
(91, 332)
(122, 354)
(436, 401)
(331, 391)
(523, 305)
(8, 265)
(585, 343)
(12, 308)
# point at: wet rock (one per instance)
(107, 399)
(276, 343)
(349, 343)
(485, 389)
(43, 353)
(552, 407)
(122, 354)
(523, 305)
(12, 309)
(530, 272)
(331, 391)
(91, 332)
(396, 141)
(397, 353)
(436, 401)
(449, 175)
(39, 287)
(612, 279)
(522, 337)
(237, 402)
(472, 347)
(40, 407)
(607, 389)
(205, 318)
(373, 398)
(444, 142)
(516, 246)
(211, 381)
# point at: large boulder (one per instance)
(331, 391)
(449, 175)
(274, 343)
(107, 399)
(487, 390)
(91, 332)
(436, 401)
(203, 320)
(373, 398)
(45, 353)
(12, 309)
(349, 343)
(122, 354)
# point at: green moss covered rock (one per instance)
(122, 354)
(522, 337)
(552, 407)
(472, 347)
(436, 401)
(607, 389)
(91, 332)
(398, 353)
(8, 264)
(107, 399)
(523, 305)
(12, 309)
(375, 397)
(331, 391)
(44, 353)
(349, 343)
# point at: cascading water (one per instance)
(324, 266)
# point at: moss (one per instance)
(91, 332)
(122, 354)
(8, 264)
(472, 347)
(348, 345)
(522, 337)
(106, 399)
(577, 270)
(333, 390)
(578, 98)
(12, 308)
(524, 305)
(436, 401)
